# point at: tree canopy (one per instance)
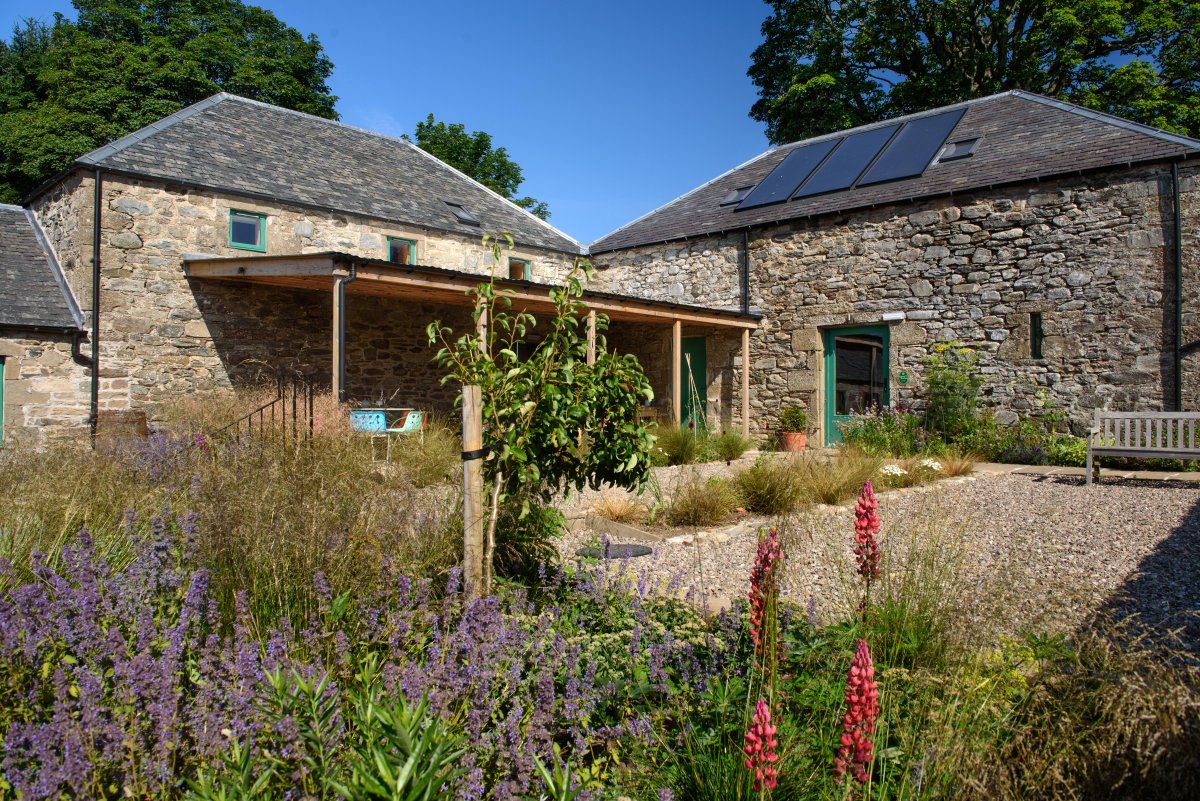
(473, 154)
(67, 87)
(825, 65)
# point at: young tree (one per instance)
(826, 65)
(552, 421)
(473, 154)
(68, 87)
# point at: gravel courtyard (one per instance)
(1036, 552)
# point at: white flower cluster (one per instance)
(932, 464)
(893, 470)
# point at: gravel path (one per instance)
(1027, 551)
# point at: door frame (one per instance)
(828, 336)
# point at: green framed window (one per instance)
(247, 230)
(1036, 335)
(402, 251)
(520, 269)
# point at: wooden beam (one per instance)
(745, 383)
(676, 372)
(259, 267)
(481, 327)
(591, 337)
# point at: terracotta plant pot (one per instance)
(795, 441)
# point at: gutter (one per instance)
(1178, 256)
(97, 193)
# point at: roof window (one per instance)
(461, 214)
(958, 150)
(736, 195)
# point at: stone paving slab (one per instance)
(993, 468)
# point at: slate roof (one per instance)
(1024, 137)
(242, 146)
(33, 292)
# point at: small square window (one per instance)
(402, 251)
(519, 270)
(736, 195)
(958, 150)
(461, 214)
(247, 231)
(1036, 335)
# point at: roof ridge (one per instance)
(55, 268)
(1111, 119)
(11, 207)
(144, 133)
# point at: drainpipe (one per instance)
(98, 190)
(77, 355)
(1178, 234)
(340, 291)
(745, 271)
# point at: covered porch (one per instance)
(372, 340)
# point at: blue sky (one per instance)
(611, 109)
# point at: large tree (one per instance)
(825, 65)
(67, 87)
(473, 154)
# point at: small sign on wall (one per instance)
(902, 377)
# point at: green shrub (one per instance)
(702, 503)
(680, 445)
(952, 385)
(526, 541)
(770, 486)
(730, 445)
(793, 419)
(1067, 451)
(888, 432)
(838, 480)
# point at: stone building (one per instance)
(1058, 242)
(235, 240)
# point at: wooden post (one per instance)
(676, 377)
(591, 338)
(339, 340)
(746, 382)
(481, 327)
(472, 442)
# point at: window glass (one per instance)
(518, 269)
(402, 251)
(246, 230)
(859, 380)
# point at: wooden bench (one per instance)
(1142, 435)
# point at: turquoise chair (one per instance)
(413, 422)
(372, 422)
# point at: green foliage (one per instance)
(952, 385)
(838, 480)
(793, 419)
(676, 445)
(69, 87)
(702, 503)
(551, 419)
(473, 154)
(730, 445)
(827, 66)
(887, 432)
(526, 532)
(770, 486)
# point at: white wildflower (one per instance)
(893, 470)
(932, 464)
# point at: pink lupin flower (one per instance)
(760, 749)
(762, 584)
(858, 724)
(866, 533)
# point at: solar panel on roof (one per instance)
(788, 174)
(913, 148)
(845, 164)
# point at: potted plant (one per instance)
(793, 424)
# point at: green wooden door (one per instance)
(856, 375)
(694, 373)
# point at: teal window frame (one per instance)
(261, 247)
(412, 249)
(527, 271)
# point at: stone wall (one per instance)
(1091, 253)
(164, 336)
(701, 272)
(45, 393)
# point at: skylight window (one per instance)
(461, 214)
(736, 195)
(958, 150)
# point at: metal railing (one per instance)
(290, 412)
